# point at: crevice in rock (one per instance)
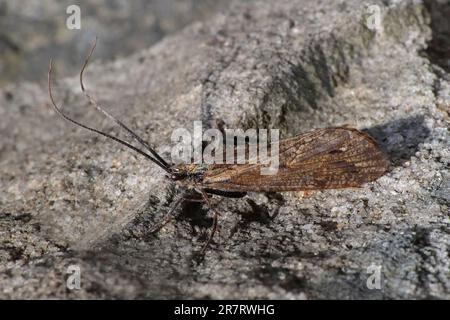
(438, 50)
(305, 81)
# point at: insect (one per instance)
(329, 158)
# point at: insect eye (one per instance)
(177, 175)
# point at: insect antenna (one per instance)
(95, 104)
(59, 111)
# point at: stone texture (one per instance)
(68, 197)
(30, 33)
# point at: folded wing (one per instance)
(329, 158)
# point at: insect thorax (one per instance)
(190, 174)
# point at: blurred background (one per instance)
(30, 34)
(33, 31)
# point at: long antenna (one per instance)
(58, 111)
(95, 104)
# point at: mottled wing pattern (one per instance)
(330, 158)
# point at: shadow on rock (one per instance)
(400, 139)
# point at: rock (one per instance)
(29, 34)
(69, 198)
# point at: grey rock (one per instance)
(30, 33)
(70, 198)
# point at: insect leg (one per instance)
(193, 200)
(169, 216)
(190, 199)
(215, 222)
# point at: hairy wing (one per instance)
(328, 158)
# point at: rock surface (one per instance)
(30, 34)
(70, 198)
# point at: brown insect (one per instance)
(329, 158)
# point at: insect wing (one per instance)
(330, 158)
